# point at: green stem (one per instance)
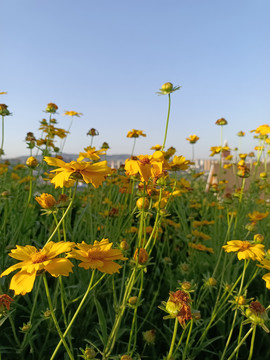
(64, 215)
(173, 339)
(240, 344)
(187, 341)
(30, 187)
(252, 343)
(90, 287)
(2, 142)
(167, 123)
(54, 318)
(133, 147)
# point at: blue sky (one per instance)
(107, 59)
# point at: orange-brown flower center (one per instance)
(39, 257)
(244, 246)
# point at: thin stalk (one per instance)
(252, 343)
(240, 344)
(173, 339)
(90, 287)
(133, 147)
(64, 215)
(167, 123)
(188, 337)
(54, 318)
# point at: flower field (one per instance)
(153, 260)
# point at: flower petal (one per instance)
(22, 282)
(60, 266)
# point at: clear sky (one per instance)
(107, 58)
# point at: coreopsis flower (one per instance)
(72, 113)
(257, 216)
(192, 139)
(167, 89)
(243, 156)
(148, 166)
(34, 261)
(243, 169)
(245, 249)
(179, 163)
(88, 172)
(156, 147)
(135, 133)
(200, 235)
(221, 122)
(265, 264)
(262, 130)
(178, 306)
(91, 153)
(3, 93)
(5, 302)
(217, 149)
(51, 108)
(201, 247)
(4, 110)
(93, 132)
(241, 133)
(98, 256)
(46, 201)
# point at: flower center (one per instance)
(244, 246)
(39, 258)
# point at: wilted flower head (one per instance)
(46, 201)
(221, 122)
(5, 302)
(178, 306)
(4, 110)
(93, 132)
(51, 108)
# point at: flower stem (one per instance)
(90, 287)
(54, 318)
(64, 215)
(240, 344)
(167, 123)
(173, 339)
(252, 343)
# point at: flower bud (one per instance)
(149, 336)
(124, 245)
(142, 203)
(167, 87)
(126, 357)
(258, 238)
(133, 300)
(32, 162)
(240, 300)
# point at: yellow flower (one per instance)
(73, 113)
(98, 256)
(200, 234)
(240, 133)
(91, 153)
(200, 247)
(51, 108)
(257, 216)
(245, 249)
(262, 130)
(34, 261)
(147, 166)
(156, 147)
(46, 201)
(179, 163)
(135, 133)
(193, 139)
(82, 170)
